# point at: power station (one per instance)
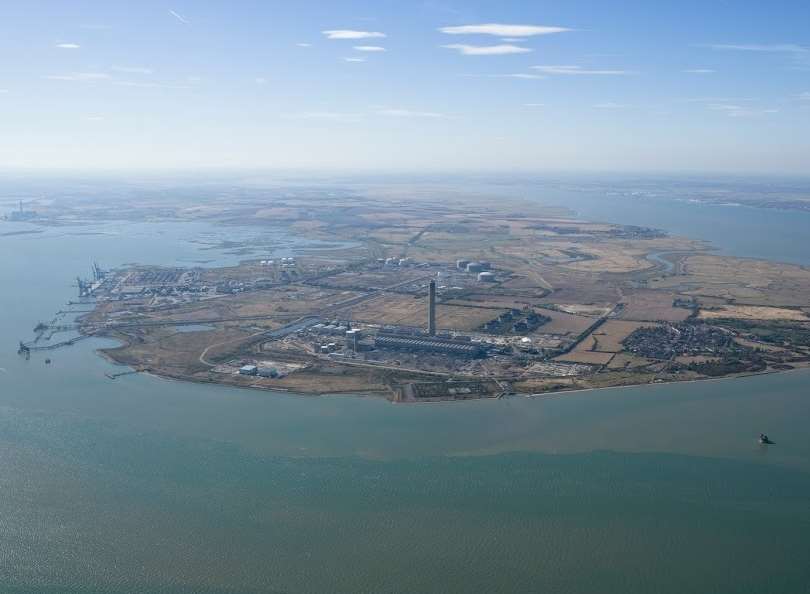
(432, 308)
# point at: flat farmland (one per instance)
(653, 306)
(609, 336)
(412, 311)
(593, 358)
(563, 323)
(753, 312)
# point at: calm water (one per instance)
(144, 485)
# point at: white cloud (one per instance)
(351, 34)
(804, 96)
(79, 76)
(149, 85)
(323, 115)
(68, 45)
(500, 30)
(719, 99)
(93, 118)
(3, 91)
(137, 84)
(487, 50)
(520, 75)
(739, 111)
(260, 80)
(179, 17)
(699, 71)
(350, 59)
(791, 48)
(370, 48)
(407, 113)
(304, 44)
(132, 69)
(578, 71)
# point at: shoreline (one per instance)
(382, 394)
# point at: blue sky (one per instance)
(647, 85)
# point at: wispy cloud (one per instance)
(351, 34)
(407, 113)
(487, 50)
(260, 80)
(804, 96)
(137, 84)
(179, 17)
(799, 55)
(132, 69)
(323, 115)
(719, 99)
(353, 59)
(699, 71)
(740, 111)
(3, 91)
(68, 45)
(500, 30)
(93, 118)
(79, 76)
(579, 71)
(302, 44)
(791, 48)
(518, 75)
(534, 105)
(370, 48)
(611, 105)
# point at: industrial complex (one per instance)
(419, 303)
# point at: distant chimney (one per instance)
(432, 308)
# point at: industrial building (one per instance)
(429, 344)
(353, 340)
(432, 308)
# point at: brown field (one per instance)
(496, 301)
(628, 361)
(755, 282)
(375, 279)
(652, 306)
(593, 358)
(611, 257)
(412, 311)
(753, 312)
(591, 309)
(563, 323)
(609, 336)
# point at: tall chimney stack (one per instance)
(432, 308)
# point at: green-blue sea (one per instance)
(147, 485)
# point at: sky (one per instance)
(383, 85)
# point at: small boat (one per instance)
(764, 439)
(47, 361)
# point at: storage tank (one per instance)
(474, 267)
(486, 277)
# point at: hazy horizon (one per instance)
(432, 86)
